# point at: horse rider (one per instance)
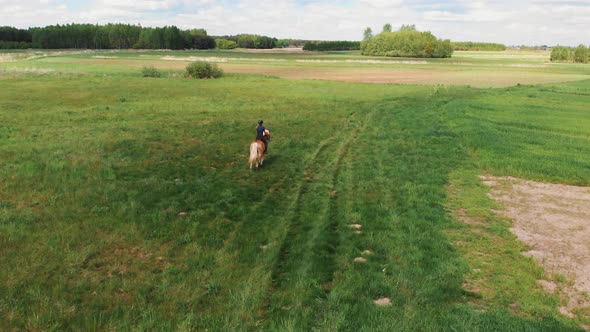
(260, 134)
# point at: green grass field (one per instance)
(98, 164)
(477, 69)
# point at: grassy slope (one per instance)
(93, 181)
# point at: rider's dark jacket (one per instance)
(260, 132)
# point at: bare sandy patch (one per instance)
(29, 70)
(7, 58)
(554, 221)
(385, 62)
(11, 57)
(286, 50)
(524, 65)
(383, 301)
(193, 58)
(219, 59)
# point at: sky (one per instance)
(511, 22)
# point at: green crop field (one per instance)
(126, 203)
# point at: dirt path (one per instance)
(554, 220)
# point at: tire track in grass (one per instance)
(338, 224)
(243, 264)
(248, 273)
(239, 248)
(299, 236)
(332, 226)
(239, 264)
(335, 219)
(296, 207)
(305, 268)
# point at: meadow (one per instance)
(126, 202)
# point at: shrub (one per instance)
(581, 54)
(203, 69)
(255, 41)
(151, 72)
(225, 44)
(407, 42)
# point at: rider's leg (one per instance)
(265, 144)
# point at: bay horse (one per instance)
(257, 150)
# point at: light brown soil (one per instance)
(286, 50)
(29, 70)
(554, 221)
(360, 259)
(383, 301)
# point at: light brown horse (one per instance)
(257, 151)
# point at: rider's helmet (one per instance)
(260, 122)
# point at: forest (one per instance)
(124, 36)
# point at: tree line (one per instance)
(580, 54)
(332, 46)
(124, 36)
(406, 42)
(118, 36)
(249, 41)
(13, 38)
(477, 46)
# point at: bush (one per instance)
(151, 72)
(203, 69)
(581, 54)
(256, 41)
(407, 42)
(225, 44)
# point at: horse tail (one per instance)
(253, 153)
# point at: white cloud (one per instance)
(135, 6)
(506, 21)
(382, 4)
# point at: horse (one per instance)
(257, 150)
